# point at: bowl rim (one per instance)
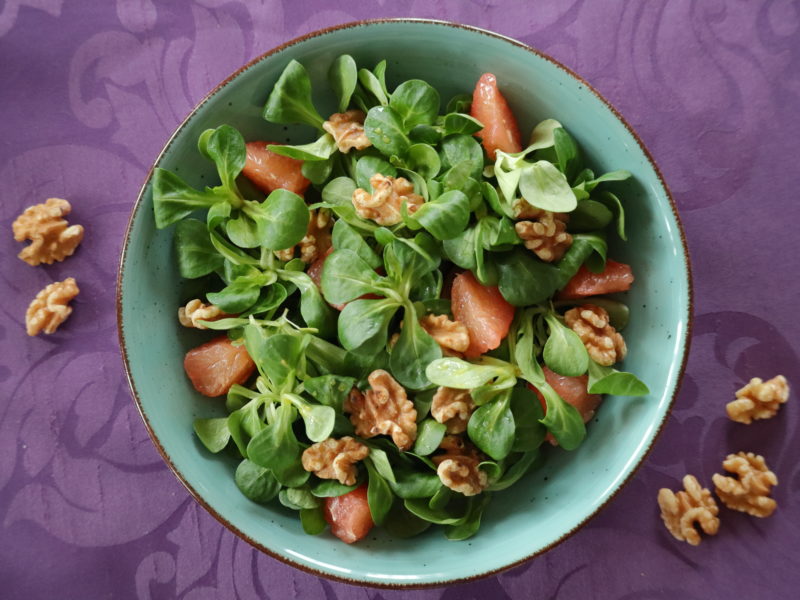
(411, 585)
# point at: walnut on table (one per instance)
(758, 400)
(604, 343)
(335, 459)
(453, 408)
(383, 410)
(51, 307)
(682, 511)
(316, 241)
(749, 490)
(347, 129)
(458, 467)
(195, 311)
(383, 204)
(52, 238)
(452, 336)
(543, 232)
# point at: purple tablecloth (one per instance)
(89, 92)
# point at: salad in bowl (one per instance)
(404, 315)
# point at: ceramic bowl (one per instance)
(552, 502)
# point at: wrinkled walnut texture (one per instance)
(604, 344)
(51, 307)
(543, 232)
(316, 241)
(758, 400)
(383, 409)
(522, 209)
(452, 336)
(335, 459)
(682, 511)
(196, 311)
(453, 408)
(458, 467)
(52, 238)
(347, 129)
(750, 491)
(383, 205)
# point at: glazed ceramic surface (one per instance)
(570, 487)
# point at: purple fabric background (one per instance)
(89, 93)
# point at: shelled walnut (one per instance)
(383, 204)
(347, 129)
(758, 400)
(52, 238)
(51, 307)
(604, 344)
(522, 209)
(683, 510)
(384, 409)
(453, 408)
(458, 467)
(452, 336)
(543, 232)
(749, 486)
(316, 241)
(195, 311)
(335, 459)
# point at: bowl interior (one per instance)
(550, 502)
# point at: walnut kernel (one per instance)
(604, 344)
(384, 409)
(316, 241)
(749, 490)
(758, 400)
(522, 209)
(452, 336)
(546, 236)
(335, 459)
(682, 511)
(347, 129)
(383, 205)
(458, 467)
(453, 408)
(52, 238)
(51, 307)
(196, 311)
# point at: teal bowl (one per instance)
(552, 502)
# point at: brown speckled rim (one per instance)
(359, 582)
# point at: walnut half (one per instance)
(458, 468)
(51, 307)
(682, 511)
(604, 344)
(315, 242)
(758, 400)
(452, 336)
(383, 204)
(383, 410)
(347, 129)
(335, 459)
(195, 311)
(748, 488)
(52, 238)
(546, 235)
(453, 408)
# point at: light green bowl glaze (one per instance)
(549, 504)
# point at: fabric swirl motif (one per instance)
(9, 13)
